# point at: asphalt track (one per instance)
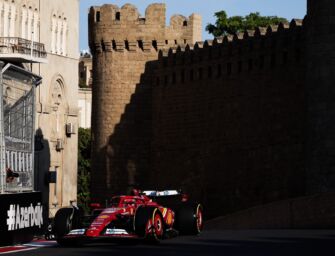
(227, 243)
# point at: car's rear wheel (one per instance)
(149, 224)
(189, 219)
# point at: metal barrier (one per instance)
(17, 113)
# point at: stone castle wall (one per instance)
(123, 46)
(236, 122)
(228, 118)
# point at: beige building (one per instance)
(85, 107)
(85, 90)
(85, 70)
(44, 35)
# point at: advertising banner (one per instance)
(21, 217)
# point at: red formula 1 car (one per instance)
(149, 215)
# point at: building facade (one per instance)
(85, 90)
(27, 26)
(85, 107)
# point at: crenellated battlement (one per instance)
(247, 116)
(118, 29)
(271, 46)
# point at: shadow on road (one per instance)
(214, 243)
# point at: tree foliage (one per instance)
(84, 167)
(225, 25)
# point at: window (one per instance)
(140, 44)
(239, 66)
(183, 76)
(250, 65)
(97, 17)
(229, 68)
(103, 47)
(219, 71)
(273, 60)
(285, 57)
(209, 72)
(59, 33)
(261, 61)
(154, 44)
(117, 16)
(200, 73)
(297, 55)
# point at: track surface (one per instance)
(253, 242)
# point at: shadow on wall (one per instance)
(42, 165)
(127, 155)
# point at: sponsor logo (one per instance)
(24, 217)
(115, 231)
(103, 217)
(77, 232)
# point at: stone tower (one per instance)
(320, 77)
(125, 49)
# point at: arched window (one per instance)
(59, 35)
(53, 33)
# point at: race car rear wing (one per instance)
(155, 193)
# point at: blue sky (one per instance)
(206, 8)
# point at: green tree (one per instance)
(84, 167)
(225, 25)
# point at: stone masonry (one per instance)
(239, 121)
(123, 46)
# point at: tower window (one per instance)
(219, 70)
(183, 76)
(229, 69)
(239, 66)
(126, 45)
(154, 44)
(250, 65)
(117, 16)
(97, 17)
(140, 44)
(185, 23)
(209, 72)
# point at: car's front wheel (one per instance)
(149, 224)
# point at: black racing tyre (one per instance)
(189, 219)
(63, 222)
(149, 223)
